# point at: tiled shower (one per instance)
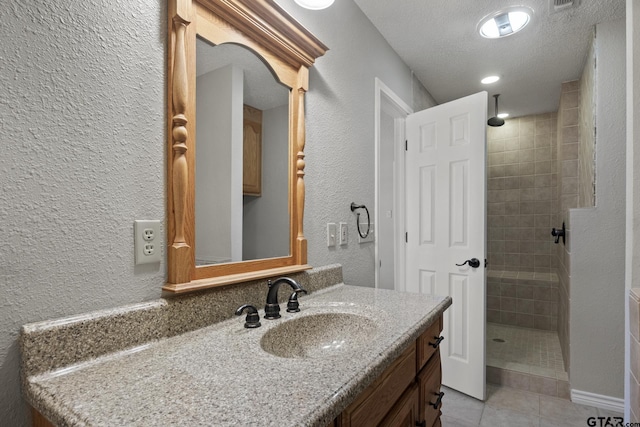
(523, 349)
(538, 167)
(522, 189)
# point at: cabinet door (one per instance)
(429, 381)
(428, 342)
(405, 411)
(252, 152)
(370, 408)
(39, 420)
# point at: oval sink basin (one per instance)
(319, 335)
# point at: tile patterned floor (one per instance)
(510, 407)
(530, 351)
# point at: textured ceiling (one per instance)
(439, 41)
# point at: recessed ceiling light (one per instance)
(504, 22)
(314, 4)
(489, 80)
(503, 115)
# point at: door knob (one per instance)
(473, 263)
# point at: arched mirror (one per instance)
(242, 174)
(238, 71)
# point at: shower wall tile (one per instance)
(493, 316)
(521, 298)
(522, 186)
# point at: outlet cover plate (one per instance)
(147, 241)
(331, 234)
(343, 237)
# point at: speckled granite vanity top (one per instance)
(220, 374)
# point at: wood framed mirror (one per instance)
(287, 50)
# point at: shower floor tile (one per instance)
(530, 351)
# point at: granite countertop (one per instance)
(220, 375)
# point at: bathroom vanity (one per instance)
(363, 357)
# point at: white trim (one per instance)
(632, 90)
(386, 100)
(597, 400)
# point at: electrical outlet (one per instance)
(344, 234)
(148, 234)
(147, 241)
(331, 234)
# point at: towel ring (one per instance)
(353, 209)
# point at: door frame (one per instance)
(387, 102)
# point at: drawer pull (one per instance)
(437, 343)
(438, 401)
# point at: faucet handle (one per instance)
(292, 305)
(253, 319)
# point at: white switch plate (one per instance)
(344, 234)
(331, 234)
(147, 241)
(370, 237)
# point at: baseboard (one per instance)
(598, 400)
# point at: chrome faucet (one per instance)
(272, 309)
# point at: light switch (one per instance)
(331, 234)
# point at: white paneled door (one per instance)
(446, 226)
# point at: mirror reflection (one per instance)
(242, 152)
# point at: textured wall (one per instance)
(82, 118)
(340, 128)
(82, 113)
(597, 270)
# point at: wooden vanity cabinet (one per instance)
(429, 382)
(378, 400)
(405, 412)
(38, 420)
(406, 393)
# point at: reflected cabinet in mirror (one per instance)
(238, 72)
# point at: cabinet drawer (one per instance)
(425, 343)
(429, 381)
(376, 401)
(405, 412)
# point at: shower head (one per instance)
(495, 121)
